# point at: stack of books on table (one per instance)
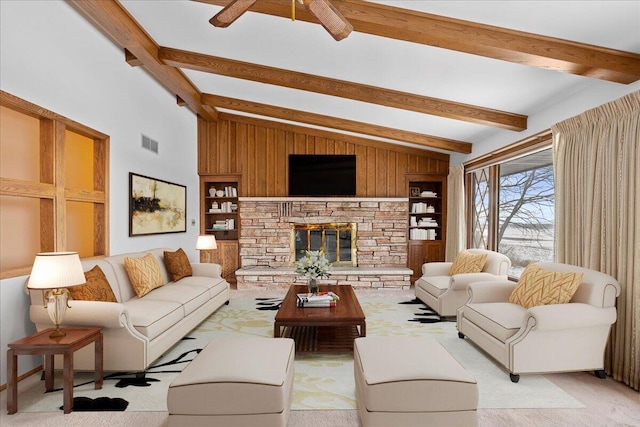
(321, 299)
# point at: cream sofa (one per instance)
(444, 293)
(545, 338)
(139, 330)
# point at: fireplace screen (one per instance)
(338, 241)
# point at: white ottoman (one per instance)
(412, 381)
(235, 382)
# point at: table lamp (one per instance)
(54, 272)
(207, 243)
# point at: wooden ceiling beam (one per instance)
(474, 38)
(330, 134)
(119, 26)
(335, 123)
(340, 88)
(131, 59)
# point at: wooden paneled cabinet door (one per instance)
(434, 251)
(421, 252)
(227, 255)
(416, 257)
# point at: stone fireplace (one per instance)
(273, 230)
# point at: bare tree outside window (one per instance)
(526, 210)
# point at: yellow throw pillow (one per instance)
(538, 286)
(177, 264)
(97, 287)
(144, 274)
(466, 262)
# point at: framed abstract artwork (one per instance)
(156, 206)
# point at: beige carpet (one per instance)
(608, 403)
(322, 382)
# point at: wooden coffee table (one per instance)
(321, 329)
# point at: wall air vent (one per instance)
(285, 208)
(149, 144)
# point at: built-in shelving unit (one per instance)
(221, 210)
(426, 233)
(425, 214)
(220, 216)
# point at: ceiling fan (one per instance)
(330, 18)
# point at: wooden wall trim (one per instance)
(536, 142)
(32, 110)
(51, 186)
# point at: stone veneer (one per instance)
(381, 239)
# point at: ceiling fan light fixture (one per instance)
(231, 12)
(330, 18)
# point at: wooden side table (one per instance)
(40, 343)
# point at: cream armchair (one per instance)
(546, 338)
(444, 293)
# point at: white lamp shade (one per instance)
(206, 242)
(54, 270)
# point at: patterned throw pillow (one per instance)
(97, 287)
(466, 262)
(538, 286)
(144, 274)
(177, 264)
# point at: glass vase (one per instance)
(313, 286)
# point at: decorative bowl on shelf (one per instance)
(219, 193)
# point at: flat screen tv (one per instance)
(322, 175)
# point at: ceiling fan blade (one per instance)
(330, 18)
(231, 12)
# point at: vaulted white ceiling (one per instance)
(394, 64)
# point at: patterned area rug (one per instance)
(427, 315)
(321, 381)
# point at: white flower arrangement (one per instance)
(314, 265)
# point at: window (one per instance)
(480, 211)
(53, 186)
(510, 195)
(525, 210)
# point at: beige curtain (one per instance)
(597, 171)
(456, 227)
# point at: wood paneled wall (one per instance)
(259, 150)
